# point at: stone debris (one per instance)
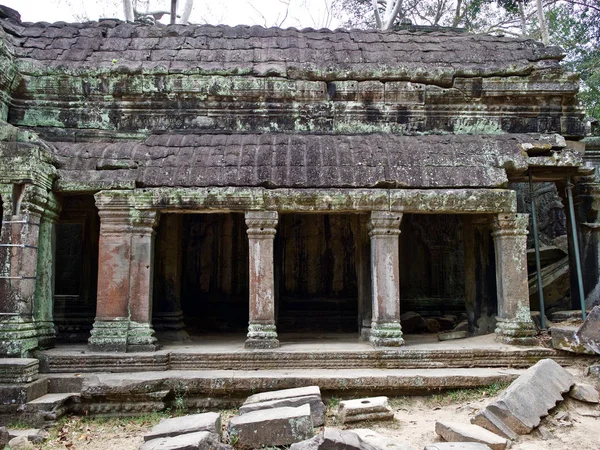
(459, 432)
(271, 427)
(202, 440)
(289, 398)
(20, 443)
(379, 441)
(35, 435)
(372, 408)
(457, 446)
(585, 393)
(519, 409)
(334, 439)
(594, 370)
(585, 339)
(176, 426)
(412, 322)
(451, 335)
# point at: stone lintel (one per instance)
(447, 201)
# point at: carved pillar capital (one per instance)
(510, 224)
(262, 223)
(384, 223)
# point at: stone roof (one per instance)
(304, 160)
(292, 53)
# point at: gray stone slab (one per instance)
(459, 432)
(379, 441)
(451, 335)
(175, 426)
(457, 446)
(317, 408)
(370, 408)
(585, 393)
(333, 439)
(271, 427)
(529, 398)
(202, 440)
(283, 394)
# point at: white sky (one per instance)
(301, 13)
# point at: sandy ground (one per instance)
(571, 425)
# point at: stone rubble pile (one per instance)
(584, 339)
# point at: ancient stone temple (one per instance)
(165, 181)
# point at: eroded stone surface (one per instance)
(458, 432)
(334, 439)
(317, 407)
(585, 393)
(457, 446)
(201, 440)
(379, 441)
(277, 426)
(175, 426)
(584, 339)
(519, 409)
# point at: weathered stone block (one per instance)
(333, 439)
(283, 393)
(585, 339)
(202, 440)
(585, 393)
(451, 335)
(269, 427)
(18, 370)
(175, 426)
(457, 446)
(378, 440)
(519, 408)
(458, 432)
(317, 408)
(373, 408)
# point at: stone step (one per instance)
(49, 401)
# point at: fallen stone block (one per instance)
(271, 427)
(372, 408)
(519, 409)
(283, 394)
(458, 432)
(379, 441)
(20, 443)
(175, 426)
(333, 439)
(289, 397)
(594, 370)
(412, 322)
(35, 435)
(202, 440)
(585, 339)
(451, 335)
(584, 393)
(457, 446)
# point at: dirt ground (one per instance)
(571, 425)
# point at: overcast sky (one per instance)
(301, 13)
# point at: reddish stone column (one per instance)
(514, 324)
(385, 273)
(262, 332)
(125, 264)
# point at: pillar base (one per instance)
(262, 336)
(18, 337)
(46, 334)
(121, 336)
(387, 334)
(170, 327)
(515, 332)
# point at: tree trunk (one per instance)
(542, 21)
(173, 11)
(187, 10)
(128, 10)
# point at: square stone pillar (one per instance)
(262, 332)
(514, 324)
(385, 272)
(125, 265)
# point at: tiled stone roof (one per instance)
(299, 160)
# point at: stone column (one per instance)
(44, 294)
(385, 273)
(19, 239)
(514, 324)
(363, 275)
(125, 264)
(480, 274)
(168, 316)
(588, 203)
(262, 332)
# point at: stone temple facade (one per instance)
(160, 181)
